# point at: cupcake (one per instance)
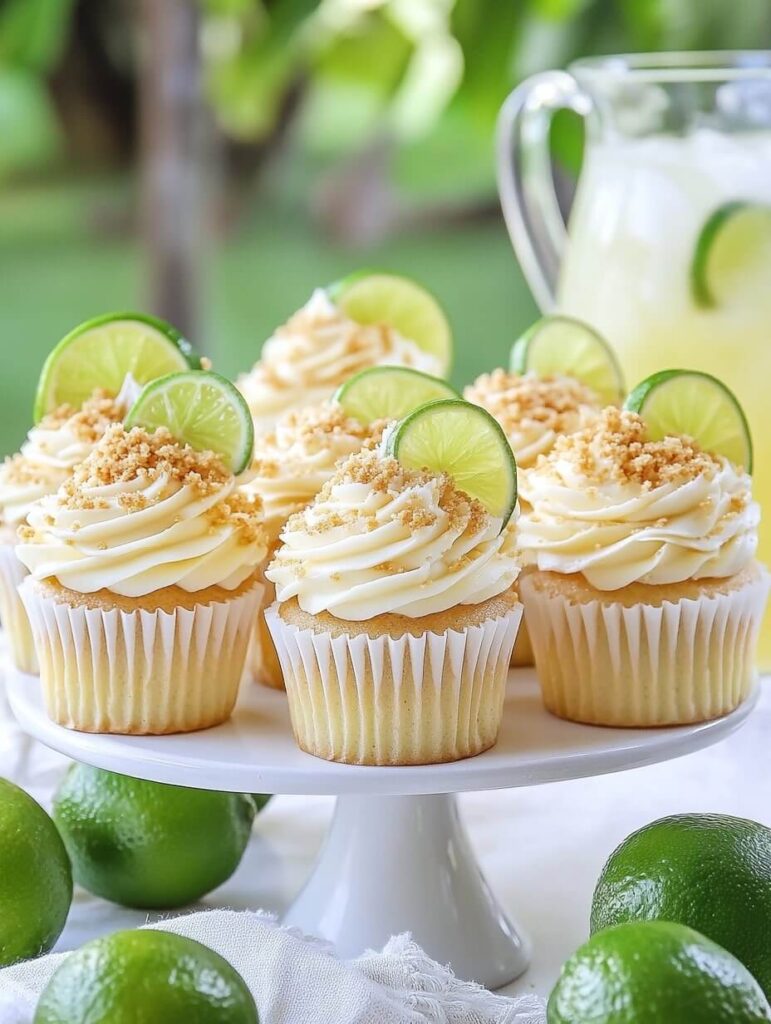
(47, 458)
(395, 617)
(319, 348)
(143, 586)
(645, 598)
(291, 465)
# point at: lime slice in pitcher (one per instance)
(697, 405)
(389, 393)
(733, 248)
(100, 352)
(199, 408)
(375, 298)
(463, 440)
(561, 346)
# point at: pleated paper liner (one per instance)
(12, 612)
(141, 672)
(262, 661)
(422, 699)
(646, 665)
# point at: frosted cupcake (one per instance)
(87, 383)
(646, 598)
(47, 458)
(371, 320)
(143, 584)
(396, 614)
(561, 374)
(291, 465)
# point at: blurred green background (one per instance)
(213, 161)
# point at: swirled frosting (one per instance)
(144, 512)
(534, 411)
(314, 352)
(382, 539)
(618, 509)
(293, 462)
(52, 450)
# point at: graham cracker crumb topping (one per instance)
(515, 401)
(616, 450)
(385, 474)
(314, 428)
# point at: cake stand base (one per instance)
(404, 863)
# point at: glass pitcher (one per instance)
(671, 141)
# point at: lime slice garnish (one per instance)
(452, 436)
(389, 393)
(698, 405)
(561, 346)
(100, 352)
(734, 247)
(374, 298)
(199, 408)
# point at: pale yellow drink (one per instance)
(640, 208)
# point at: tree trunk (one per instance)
(172, 161)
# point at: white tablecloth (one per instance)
(541, 848)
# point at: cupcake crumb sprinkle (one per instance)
(616, 449)
(515, 400)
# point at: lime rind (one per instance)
(200, 408)
(563, 346)
(370, 297)
(100, 352)
(389, 393)
(697, 405)
(463, 440)
(735, 237)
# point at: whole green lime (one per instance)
(655, 972)
(148, 845)
(709, 871)
(261, 800)
(145, 977)
(35, 877)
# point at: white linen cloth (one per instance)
(297, 980)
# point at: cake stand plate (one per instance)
(397, 857)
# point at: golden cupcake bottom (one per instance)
(167, 662)
(262, 660)
(393, 690)
(13, 615)
(645, 656)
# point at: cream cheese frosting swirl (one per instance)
(144, 512)
(52, 450)
(618, 509)
(315, 351)
(383, 539)
(534, 411)
(293, 462)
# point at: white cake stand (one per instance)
(397, 857)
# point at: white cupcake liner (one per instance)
(645, 665)
(262, 660)
(12, 612)
(140, 672)
(383, 701)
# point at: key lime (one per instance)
(732, 254)
(35, 877)
(100, 352)
(146, 977)
(698, 405)
(389, 393)
(655, 972)
(201, 409)
(452, 436)
(561, 346)
(143, 844)
(375, 298)
(709, 871)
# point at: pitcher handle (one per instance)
(525, 181)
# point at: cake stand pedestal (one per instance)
(397, 857)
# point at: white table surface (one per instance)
(541, 848)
